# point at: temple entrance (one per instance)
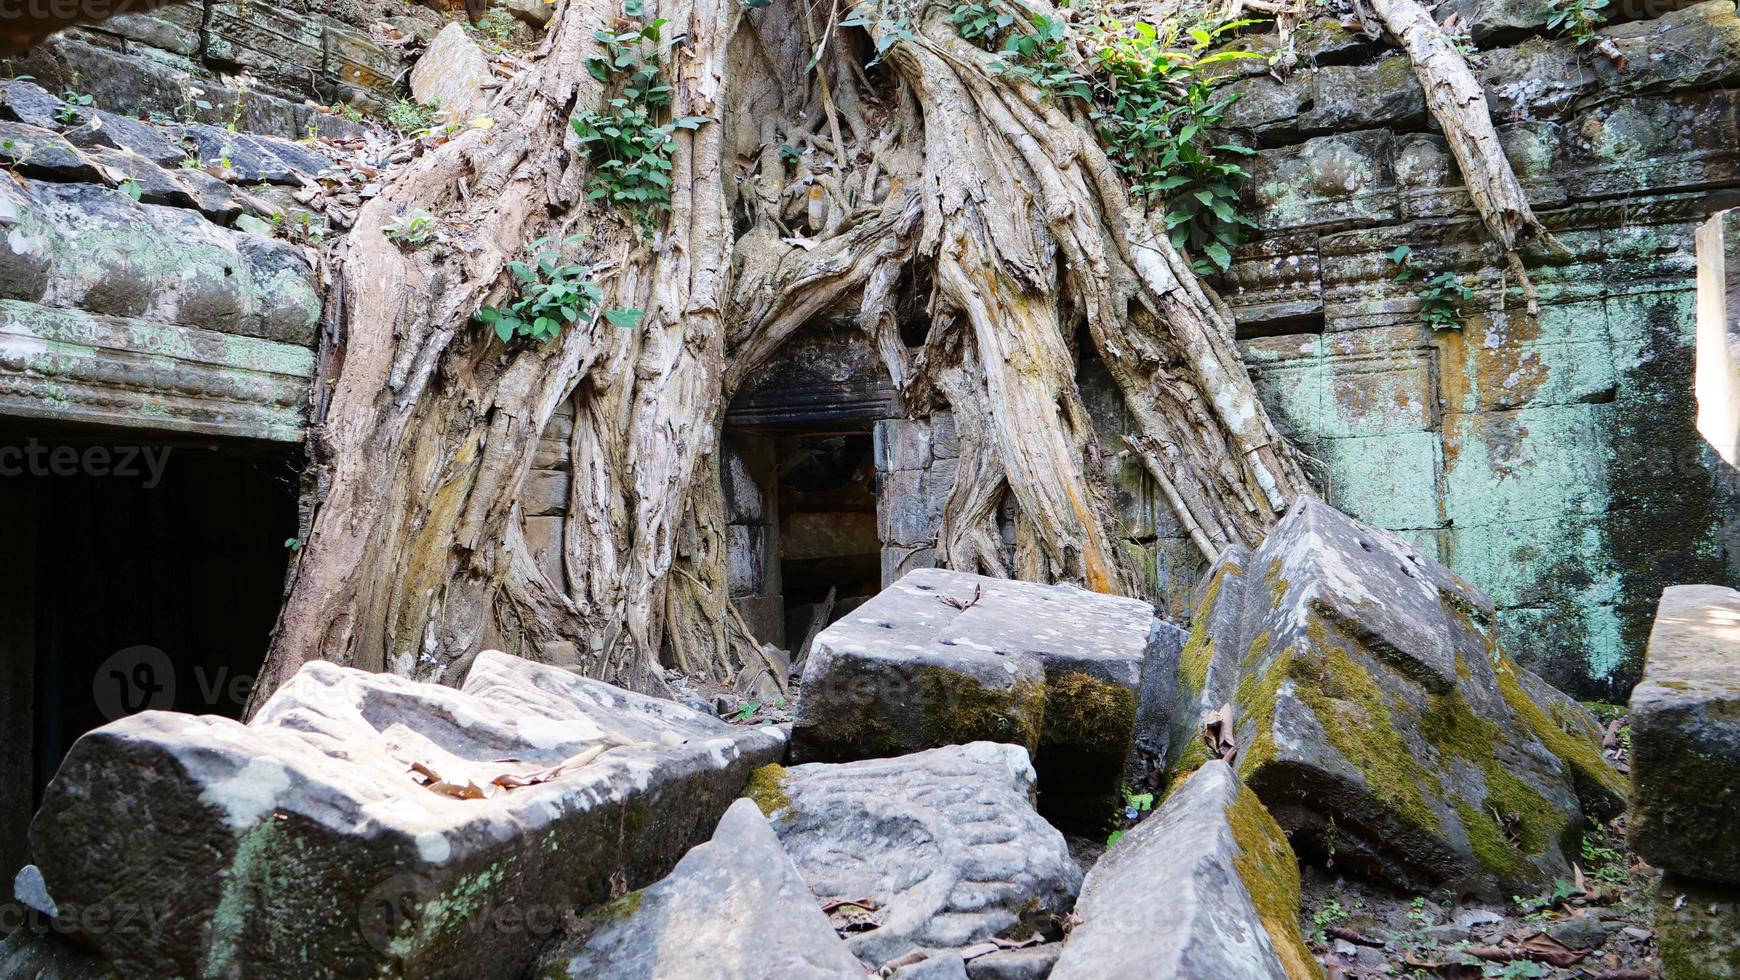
(136, 573)
(801, 476)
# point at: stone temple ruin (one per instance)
(1520, 512)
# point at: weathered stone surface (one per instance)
(29, 103)
(734, 908)
(1685, 737)
(107, 254)
(1697, 929)
(452, 73)
(1377, 715)
(303, 51)
(534, 12)
(104, 128)
(189, 818)
(32, 954)
(1053, 669)
(35, 152)
(1204, 887)
(946, 841)
(1029, 963)
(256, 159)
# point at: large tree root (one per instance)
(936, 168)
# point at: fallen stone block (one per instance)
(1697, 929)
(1374, 712)
(452, 73)
(944, 657)
(1685, 736)
(363, 824)
(946, 843)
(1205, 887)
(734, 908)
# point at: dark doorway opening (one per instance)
(138, 573)
(827, 527)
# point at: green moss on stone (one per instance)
(1270, 874)
(1514, 819)
(1590, 772)
(1198, 650)
(766, 787)
(1356, 717)
(1256, 700)
(1085, 713)
(960, 709)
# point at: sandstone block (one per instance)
(1685, 736)
(734, 908)
(1378, 717)
(314, 841)
(945, 657)
(946, 842)
(1205, 887)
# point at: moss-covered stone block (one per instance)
(317, 841)
(1205, 887)
(1697, 929)
(1685, 736)
(946, 658)
(1378, 717)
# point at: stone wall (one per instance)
(261, 66)
(1552, 459)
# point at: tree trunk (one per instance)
(935, 165)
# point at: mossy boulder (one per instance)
(946, 658)
(307, 842)
(1205, 887)
(1378, 718)
(1685, 736)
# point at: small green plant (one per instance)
(294, 544)
(746, 712)
(1128, 812)
(981, 22)
(629, 146)
(1577, 19)
(412, 229)
(71, 103)
(1040, 55)
(193, 102)
(345, 110)
(130, 188)
(1421, 913)
(1154, 111)
(1440, 299)
(411, 118)
(1329, 914)
(1514, 970)
(497, 27)
(553, 293)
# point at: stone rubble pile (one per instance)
(536, 822)
(1685, 774)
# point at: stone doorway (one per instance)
(135, 573)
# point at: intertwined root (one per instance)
(817, 190)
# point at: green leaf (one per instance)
(627, 319)
(1218, 253)
(1400, 253)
